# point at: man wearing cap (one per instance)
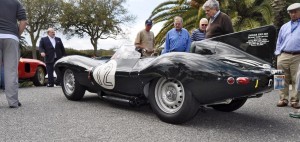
(145, 40)
(288, 55)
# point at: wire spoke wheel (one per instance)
(69, 81)
(71, 87)
(39, 77)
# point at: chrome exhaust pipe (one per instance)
(132, 101)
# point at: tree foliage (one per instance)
(41, 14)
(245, 14)
(98, 19)
(23, 44)
(248, 14)
(280, 11)
(166, 11)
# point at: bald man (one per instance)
(52, 49)
(199, 34)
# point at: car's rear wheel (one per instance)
(171, 102)
(232, 106)
(71, 87)
(39, 77)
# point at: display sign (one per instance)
(279, 82)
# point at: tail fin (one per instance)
(259, 42)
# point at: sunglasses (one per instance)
(203, 24)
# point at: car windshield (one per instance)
(126, 52)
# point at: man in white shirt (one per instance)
(52, 49)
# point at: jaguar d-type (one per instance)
(221, 72)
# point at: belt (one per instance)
(291, 52)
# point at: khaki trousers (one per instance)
(289, 64)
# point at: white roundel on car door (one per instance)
(104, 74)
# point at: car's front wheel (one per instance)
(39, 77)
(171, 102)
(232, 106)
(71, 87)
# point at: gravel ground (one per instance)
(46, 115)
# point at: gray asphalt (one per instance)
(46, 115)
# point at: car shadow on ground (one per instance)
(247, 120)
(208, 118)
(233, 119)
(240, 124)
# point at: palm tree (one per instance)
(279, 11)
(248, 14)
(166, 11)
(245, 14)
(23, 44)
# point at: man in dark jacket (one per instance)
(219, 22)
(52, 49)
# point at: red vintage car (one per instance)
(32, 69)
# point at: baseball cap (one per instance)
(148, 22)
(293, 6)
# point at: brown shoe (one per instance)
(282, 103)
(295, 105)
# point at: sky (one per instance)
(140, 8)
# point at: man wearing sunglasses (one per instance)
(219, 22)
(199, 34)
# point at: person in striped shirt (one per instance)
(199, 34)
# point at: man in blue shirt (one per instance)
(288, 51)
(177, 39)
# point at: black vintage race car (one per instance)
(221, 73)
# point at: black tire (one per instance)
(232, 106)
(39, 77)
(171, 102)
(71, 87)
